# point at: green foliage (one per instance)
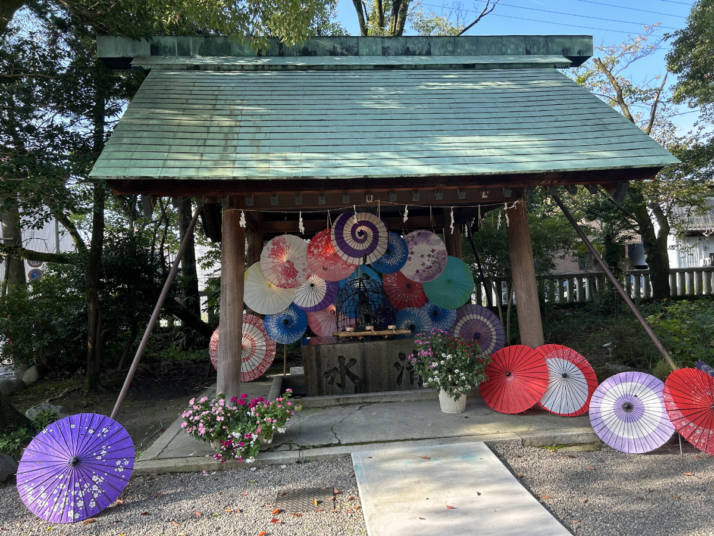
(13, 443)
(686, 329)
(692, 56)
(661, 370)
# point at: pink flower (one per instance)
(288, 390)
(190, 402)
(202, 399)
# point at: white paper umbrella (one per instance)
(264, 297)
(359, 237)
(257, 349)
(284, 261)
(315, 294)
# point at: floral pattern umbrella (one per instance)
(571, 381)
(75, 468)
(262, 296)
(689, 398)
(395, 256)
(324, 323)
(403, 292)
(323, 260)
(283, 261)
(315, 294)
(453, 287)
(359, 237)
(627, 413)
(476, 323)
(427, 256)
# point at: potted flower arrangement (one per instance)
(450, 364)
(238, 429)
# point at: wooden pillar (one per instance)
(231, 313)
(523, 274)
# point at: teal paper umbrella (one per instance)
(453, 287)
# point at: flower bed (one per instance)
(237, 429)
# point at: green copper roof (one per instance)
(383, 123)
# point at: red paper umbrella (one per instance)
(571, 382)
(257, 349)
(324, 323)
(403, 292)
(323, 260)
(517, 379)
(689, 398)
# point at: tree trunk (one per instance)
(10, 418)
(189, 281)
(655, 245)
(93, 269)
(12, 237)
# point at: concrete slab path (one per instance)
(460, 489)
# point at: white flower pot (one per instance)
(448, 404)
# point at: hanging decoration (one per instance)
(323, 260)
(284, 261)
(427, 256)
(360, 237)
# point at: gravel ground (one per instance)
(225, 503)
(606, 493)
(599, 493)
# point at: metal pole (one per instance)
(616, 283)
(155, 315)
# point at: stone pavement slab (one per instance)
(459, 489)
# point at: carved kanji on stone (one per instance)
(404, 367)
(343, 372)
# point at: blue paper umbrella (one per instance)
(414, 319)
(395, 257)
(287, 326)
(349, 296)
(443, 319)
(365, 272)
(453, 287)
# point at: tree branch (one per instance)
(619, 97)
(71, 229)
(653, 110)
(488, 8)
(39, 256)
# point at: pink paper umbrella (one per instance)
(427, 256)
(257, 349)
(283, 261)
(324, 323)
(323, 260)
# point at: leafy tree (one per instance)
(692, 57)
(649, 106)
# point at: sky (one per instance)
(608, 21)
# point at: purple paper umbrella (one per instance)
(701, 365)
(476, 323)
(75, 467)
(359, 237)
(427, 256)
(627, 413)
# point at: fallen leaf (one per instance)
(276, 521)
(584, 500)
(331, 499)
(349, 511)
(449, 507)
(282, 494)
(252, 481)
(422, 518)
(591, 467)
(357, 507)
(276, 511)
(89, 521)
(120, 501)
(228, 510)
(197, 513)
(575, 521)
(262, 533)
(144, 513)
(351, 498)
(675, 496)
(244, 494)
(426, 457)
(478, 493)
(319, 510)
(336, 491)
(215, 514)
(546, 497)
(334, 511)
(688, 473)
(639, 497)
(315, 502)
(519, 475)
(158, 495)
(238, 511)
(351, 475)
(571, 456)
(296, 514)
(650, 490)
(175, 523)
